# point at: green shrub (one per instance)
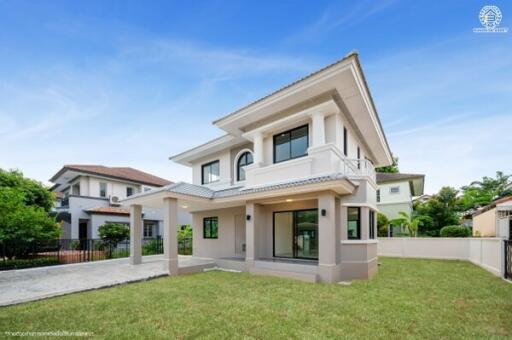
(28, 263)
(455, 231)
(152, 247)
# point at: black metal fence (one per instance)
(508, 259)
(17, 254)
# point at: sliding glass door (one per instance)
(296, 234)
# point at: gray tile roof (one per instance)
(203, 192)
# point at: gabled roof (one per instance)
(328, 80)
(416, 181)
(120, 173)
(492, 205)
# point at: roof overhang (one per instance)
(192, 203)
(206, 149)
(346, 79)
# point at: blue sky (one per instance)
(129, 83)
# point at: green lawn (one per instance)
(408, 298)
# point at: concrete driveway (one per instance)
(17, 286)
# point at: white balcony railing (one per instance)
(358, 167)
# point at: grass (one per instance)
(408, 298)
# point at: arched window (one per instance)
(244, 160)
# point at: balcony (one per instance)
(320, 160)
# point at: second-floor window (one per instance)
(129, 191)
(210, 172)
(244, 160)
(75, 189)
(394, 190)
(291, 144)
(378, 195)
(103, 189)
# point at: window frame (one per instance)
(358, 158)
(371, 224)
(378, 195)
(238, 168)
(358, 223)
(208, 165)
(101, 184)
(345, 141)
(210, 219)
(290, 142)
(132, 191)
(151, 227)
(393, 187)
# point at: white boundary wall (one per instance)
(487, 253)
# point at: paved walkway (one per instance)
(17, 286)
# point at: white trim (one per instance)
(362, 205)
(283, 93)
(327, 107)
(235, 165)
(284, 164)
(359, 241)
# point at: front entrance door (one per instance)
(82, 234)
(239, 235)
(296, 234)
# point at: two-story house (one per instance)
(396, 192)
(89, 196)
(290, 189)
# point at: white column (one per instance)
(170, 237)
(318, 122)
(135, 234)
(252, 225)
(329, 237)
(258, 148)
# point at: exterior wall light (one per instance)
(323, 212)
(248, 217)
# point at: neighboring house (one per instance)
(290, 189)
(89, 196)
(396, 191)
(494, 220)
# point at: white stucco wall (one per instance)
(484, 252)
(333, 134)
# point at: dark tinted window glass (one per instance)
(299, 142)
(353, 223)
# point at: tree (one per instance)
(442, 209)
(112, 234)
(393, 168)
(410, 223)
(382, 225)
(22, 224)
(34, 193)
(481, 193)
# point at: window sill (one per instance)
(359, 241)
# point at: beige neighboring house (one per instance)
(494, 220)
(396, 191)
(289, 189)
(89, 196)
